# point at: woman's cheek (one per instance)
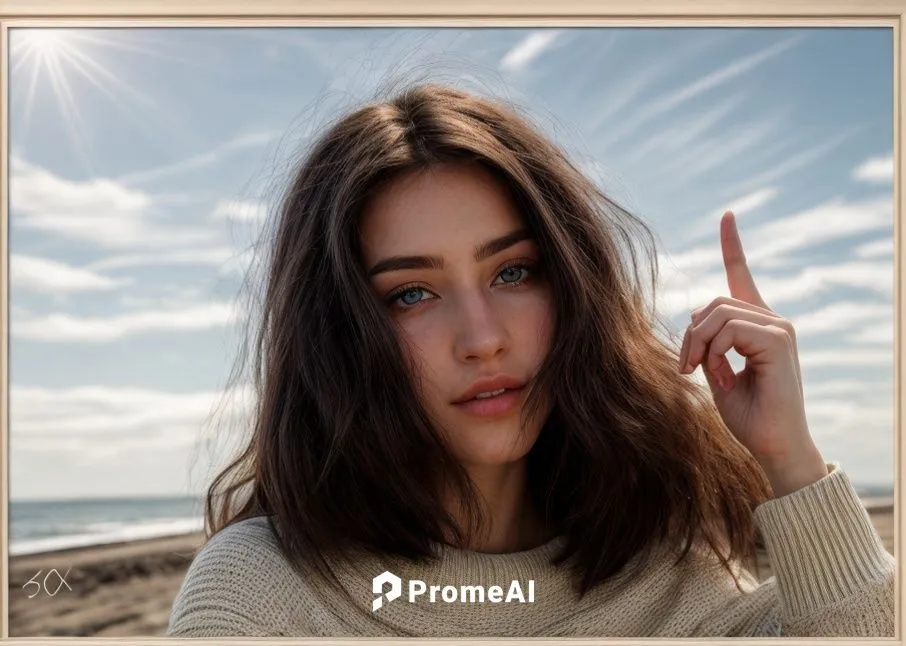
(423, 344)
(535, 315)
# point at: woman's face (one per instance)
(449, 256)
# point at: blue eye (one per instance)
(512, 274)
(408, 297)
(409, 292)
(515, 274)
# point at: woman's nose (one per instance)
(481, 333)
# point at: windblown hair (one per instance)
(633, 454)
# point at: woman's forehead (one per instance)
(450, 206)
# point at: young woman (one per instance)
(460, 386)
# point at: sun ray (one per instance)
(30, 96)
(26, 56)
(79, 61)
(77, 58)
(132, 47)
(71, 114)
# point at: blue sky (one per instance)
(143, 162)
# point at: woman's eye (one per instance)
(410, 296)
(513, 274)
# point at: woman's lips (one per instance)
(492, 406)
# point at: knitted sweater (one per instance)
(832, 577)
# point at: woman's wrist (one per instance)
(787, 476)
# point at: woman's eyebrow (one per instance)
(482, 252)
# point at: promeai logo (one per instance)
(377, 586)
(449, 593)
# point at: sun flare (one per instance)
(54, 58)
(42, 42)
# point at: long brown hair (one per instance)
(632, 456)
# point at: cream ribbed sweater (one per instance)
(832, 577)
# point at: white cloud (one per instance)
(100, 418)
(65, 327)
(241, 210)
(832, 220)
(99, 211)
(877, 169)
(846, 357)
(844, 411)
(842, 316)
(167, 296)
(875, 277)
(29, 273)
(852, 421)
(878, 334)
(683, 291)
(876, 248)
(529, 48)
(832, 388)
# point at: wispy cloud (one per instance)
(216, 256)
(747, 203)
(715, 152)
(100, 212)
(42, 275)
(877, 169)
(58, 328)
(620, 87)
(678, 97)
(781, 169)
(684, 132)
(239, 210)
(201, 160)
(528, 49)
(625, 90)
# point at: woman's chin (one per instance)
(498, 452)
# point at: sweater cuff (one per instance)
(822, 544)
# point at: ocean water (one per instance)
(44, 526)
(53, 525)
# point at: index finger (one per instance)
(739, 278)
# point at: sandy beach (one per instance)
(126, 589)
